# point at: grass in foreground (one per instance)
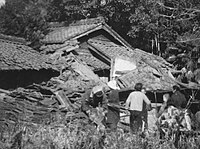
(78, 134)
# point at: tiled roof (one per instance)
(62, 34)
(152, 70)
(110, 49)
(148, 76)
(53, 47)
(93, 62)
(17, 56)
(113, 50)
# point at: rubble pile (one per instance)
(38, 103)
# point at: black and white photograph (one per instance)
(99, 74)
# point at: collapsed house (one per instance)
(93, 42)
(35, 86)
(74, 58)
(79, 38)
(20, 65)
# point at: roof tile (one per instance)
(110, 49)
(60, 35)
(53, 47)
(18, 56)
(113, 50)
(93, 62)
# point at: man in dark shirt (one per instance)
(113, 115)
(177, 99)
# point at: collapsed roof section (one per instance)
(153, 78)
(151, 70)
(16, 55)
(72, 37)
(97, 51)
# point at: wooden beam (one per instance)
(112, 68)
(117, 37)
(107, 59)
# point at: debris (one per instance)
(39, 103)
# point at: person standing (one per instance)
(145, 113)
(113, 115)
(197, 74)
(134, 103)
(177, 99)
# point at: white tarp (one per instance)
(121, 66)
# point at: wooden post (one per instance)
(111, 68)
(155, 99)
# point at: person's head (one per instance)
(138, 86)
(176, 88)
(98, 91)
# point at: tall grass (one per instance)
(80, 134)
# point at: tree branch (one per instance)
(166, 16)
(171, 8)
(188, 40)
(185, 19)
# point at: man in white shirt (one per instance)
(134, 103)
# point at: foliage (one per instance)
(152, 25)
(24, 18)
(157, 26)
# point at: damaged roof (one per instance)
(94, 63)
(150, 77)
(112, 50)
(79, 29)
(51, 48)
(15, 55)
(153, 71)
(109, 49)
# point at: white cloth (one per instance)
(135, 101)
(113, 85)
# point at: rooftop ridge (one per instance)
(12, 39)
(88, 21)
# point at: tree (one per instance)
(168, 28)
(25, 18)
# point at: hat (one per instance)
(98, 90)
(113, 85)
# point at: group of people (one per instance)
(137, 105)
